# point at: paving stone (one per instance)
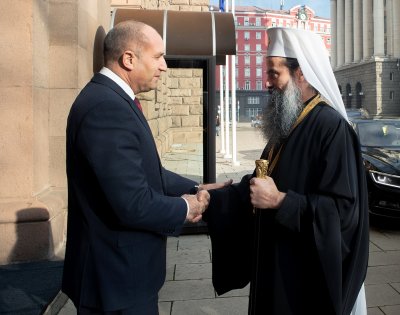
(172, 243)
(391, 310)
(383, 274)
(186, 290)
(381, 294)
(396, 286)
(193, 271)
(194, 242)
(384, 258)
(191, 256)
(164, 308)
(384, 240)
(170, 273)
(374, 311)
(239, 292)
(223, 306)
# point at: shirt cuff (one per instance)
(187, 207)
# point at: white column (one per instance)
(367, 29)
(333, 34)
(227, 135)
(389, 27)
(233, 64)
(396, 28)
(379, 28)
(222, 108)
(358, 34)
(340, 32)
(348, 32)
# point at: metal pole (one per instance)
(227, 135)
(221, 107)
(233, 61)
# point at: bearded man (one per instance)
(300, 236)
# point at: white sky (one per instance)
(321, 7)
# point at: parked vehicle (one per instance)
(357, 113)
(380, 146)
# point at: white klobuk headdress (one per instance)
(312, 55)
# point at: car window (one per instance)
(379, 134)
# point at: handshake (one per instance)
(198, 203)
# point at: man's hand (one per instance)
(264, 194)
(215, 185)
(196, 207)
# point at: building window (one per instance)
(258, 47)
(247, 60)
(247, 47)
(246, 21)
(253, 100)
(246, 35)
(259, 60)
(258, 35)
(258, 72)
(253, 112)
(258, 21)
(392, 95)
(247, 85)
(247, 72)
(259, 85)
(391, 76)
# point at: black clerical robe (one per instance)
(309, 256)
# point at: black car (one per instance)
(380, 146)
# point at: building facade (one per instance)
(251, 46)
(365, 54)
(42, 73)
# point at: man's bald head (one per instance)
(125, 35)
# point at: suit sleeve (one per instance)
(120, 153)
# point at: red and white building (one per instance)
(251, 46)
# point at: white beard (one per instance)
(283, 108)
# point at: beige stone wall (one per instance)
(47, 49)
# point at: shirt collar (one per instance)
(121, 83)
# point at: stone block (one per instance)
(190, 121)
(33, 229)
(63, 23)
(57, 161)
(194, 100)
(63, 67)
(179, 110)
(60, 103)
(190, 83)
(181, 92)
(40, 139)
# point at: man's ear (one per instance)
(128, 60)
(299, 75)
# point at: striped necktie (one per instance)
(137, 103)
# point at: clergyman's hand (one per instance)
(215, 185)
(203, 197)
(196, 208)
(264, 194)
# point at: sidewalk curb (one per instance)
(57, 304)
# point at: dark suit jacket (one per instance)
(122, 203)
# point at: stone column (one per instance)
(379, 28)
(340, 32)
(348, 31)
(396, 28)
(333, 33)
(358, 33)
(367, 29)
(42, 72)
